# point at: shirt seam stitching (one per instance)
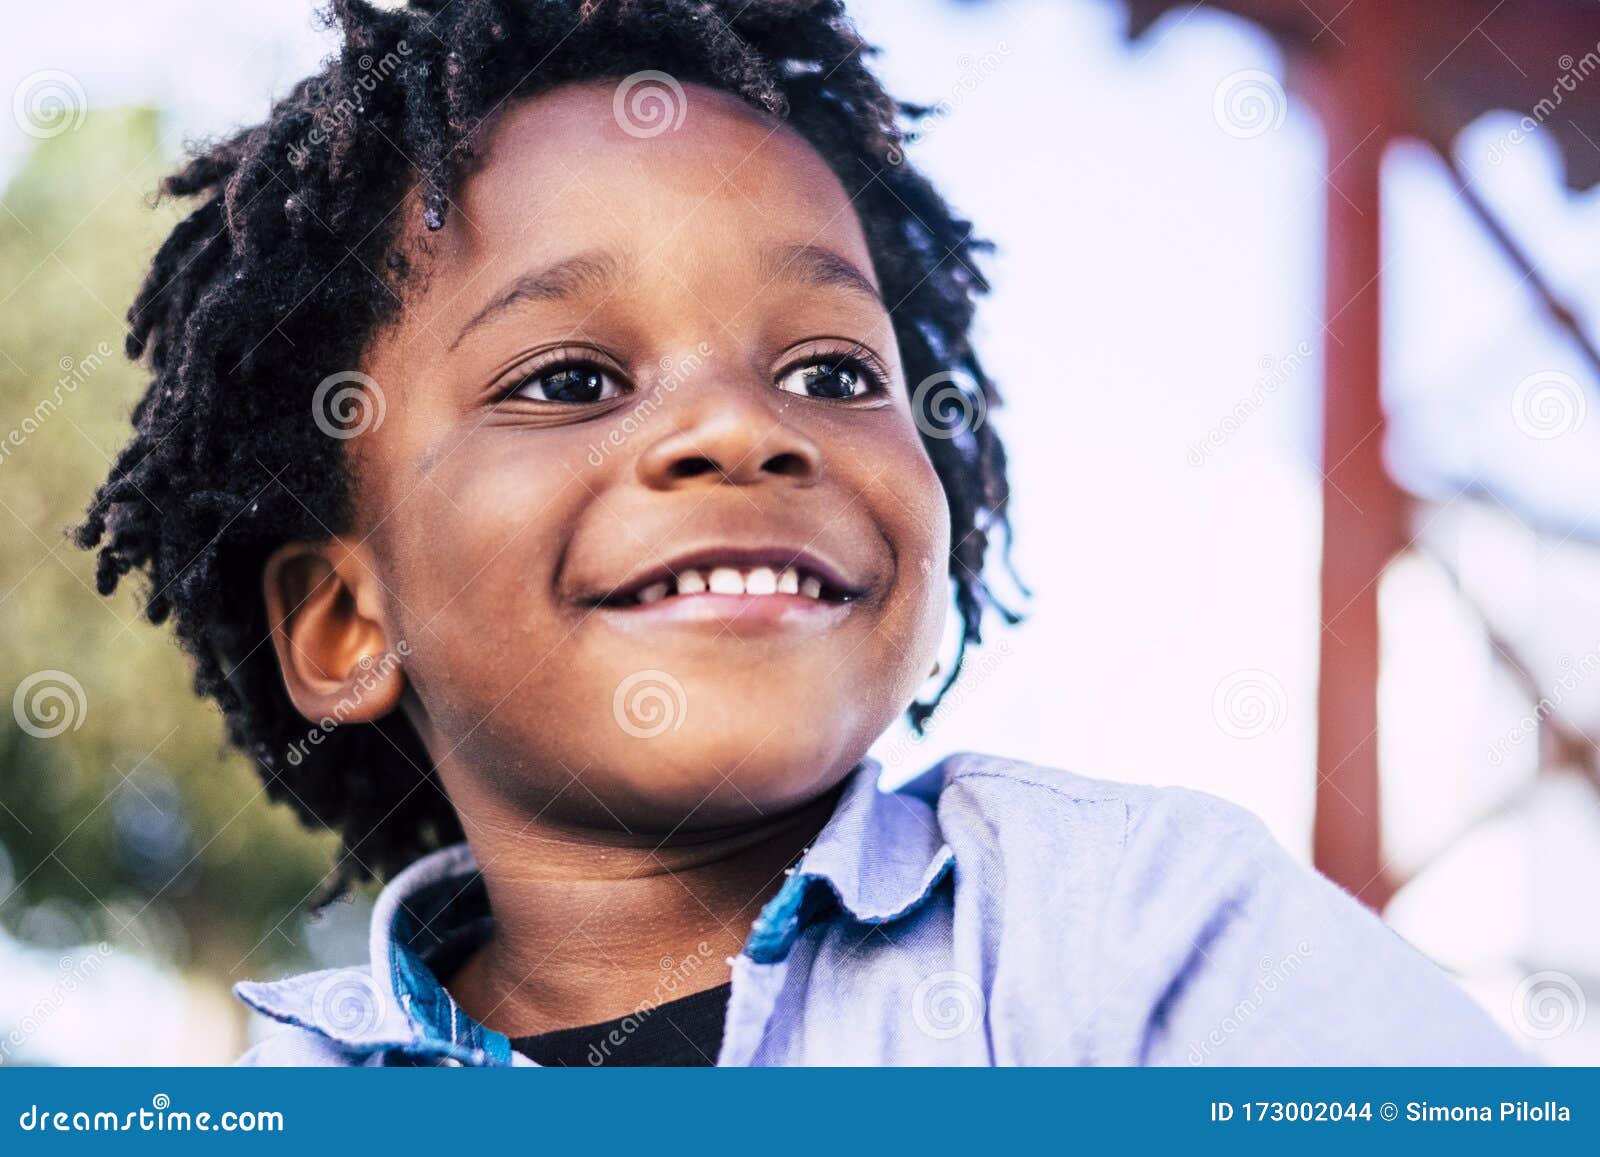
(1052, 788)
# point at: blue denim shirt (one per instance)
(988, 913)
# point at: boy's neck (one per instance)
(587, 930)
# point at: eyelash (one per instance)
(855, 357)
(566, 358)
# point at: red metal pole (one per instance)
(1364, 513)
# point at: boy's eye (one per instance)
(571, 383)
(831, 378)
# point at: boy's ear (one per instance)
(326, 613)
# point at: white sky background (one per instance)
(1149, 265)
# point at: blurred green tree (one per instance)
(123, 817)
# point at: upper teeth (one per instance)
(728, 580)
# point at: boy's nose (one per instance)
(730, 437)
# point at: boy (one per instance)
(542, 468)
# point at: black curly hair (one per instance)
(294, 257)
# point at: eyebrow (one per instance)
(598, 270)
(814, 265)
(594, 271)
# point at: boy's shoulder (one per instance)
(1131, 860)
(1021, 797)
(1179, 915)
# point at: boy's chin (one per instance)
(691, 781)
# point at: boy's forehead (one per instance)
(569, 171)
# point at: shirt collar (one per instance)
(427, 912)
(879, 856)
(396, 1003)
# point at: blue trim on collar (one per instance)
(878, 858)
(439, 1019)
(804, 896)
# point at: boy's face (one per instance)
(633, 367)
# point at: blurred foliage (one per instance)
(135, 824)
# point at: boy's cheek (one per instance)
(920, 514)
(473, 538)
(511, 681)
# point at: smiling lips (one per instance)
(787, 577)
(728, 580)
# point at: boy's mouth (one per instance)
(787, 576)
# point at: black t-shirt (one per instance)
(680, 1033)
